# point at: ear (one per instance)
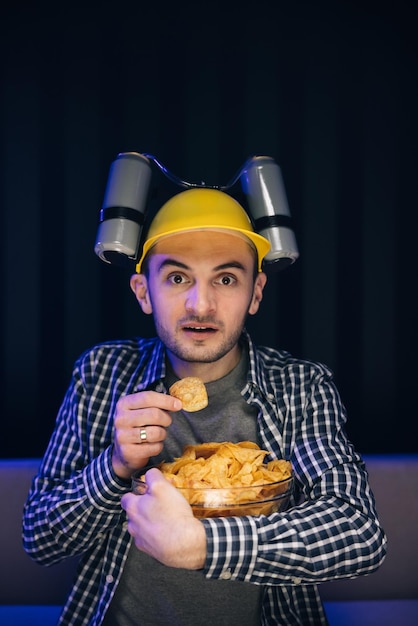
(139, 286)
(259, 285)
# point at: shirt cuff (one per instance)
(232, 546)
(104, 489)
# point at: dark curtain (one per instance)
(328, 89)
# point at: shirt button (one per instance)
(296, 580)
(109, 579)
(125, 525)
(271, 396)
(226, 575)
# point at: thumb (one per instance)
(128, 501)
(154, 477)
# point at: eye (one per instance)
(177, 279)
(226, 280)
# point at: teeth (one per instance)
(197, 327)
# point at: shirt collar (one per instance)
(256, 379)
(151, 372)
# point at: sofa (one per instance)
(31, 595)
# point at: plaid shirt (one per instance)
(330, 532)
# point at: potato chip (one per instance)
(222, 465)
(221, 479)
(192, 393)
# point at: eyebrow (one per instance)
(224, 266)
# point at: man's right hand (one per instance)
(140, 423)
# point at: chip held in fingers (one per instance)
(192, 393)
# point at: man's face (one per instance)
(200, 287)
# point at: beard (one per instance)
(198, 351)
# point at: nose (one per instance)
(200, 299)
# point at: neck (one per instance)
(207, 372)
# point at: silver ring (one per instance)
(142, 435)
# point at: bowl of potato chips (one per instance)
(227, 479)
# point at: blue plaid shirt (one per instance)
(330, 532)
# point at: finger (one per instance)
(128, 501)
(146, 434)
(148, 399)
(153, 477)
(125, 420)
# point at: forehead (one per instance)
(205, 246)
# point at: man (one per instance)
(200, 275)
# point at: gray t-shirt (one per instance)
(150, 593)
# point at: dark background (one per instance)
(327, 89)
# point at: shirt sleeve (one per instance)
(333, 533)
(75, 497)
(317, 541)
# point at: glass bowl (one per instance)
(231, 501)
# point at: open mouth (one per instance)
(199, 329)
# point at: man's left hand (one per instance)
(162, 524)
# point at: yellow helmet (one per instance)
(202, 209)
